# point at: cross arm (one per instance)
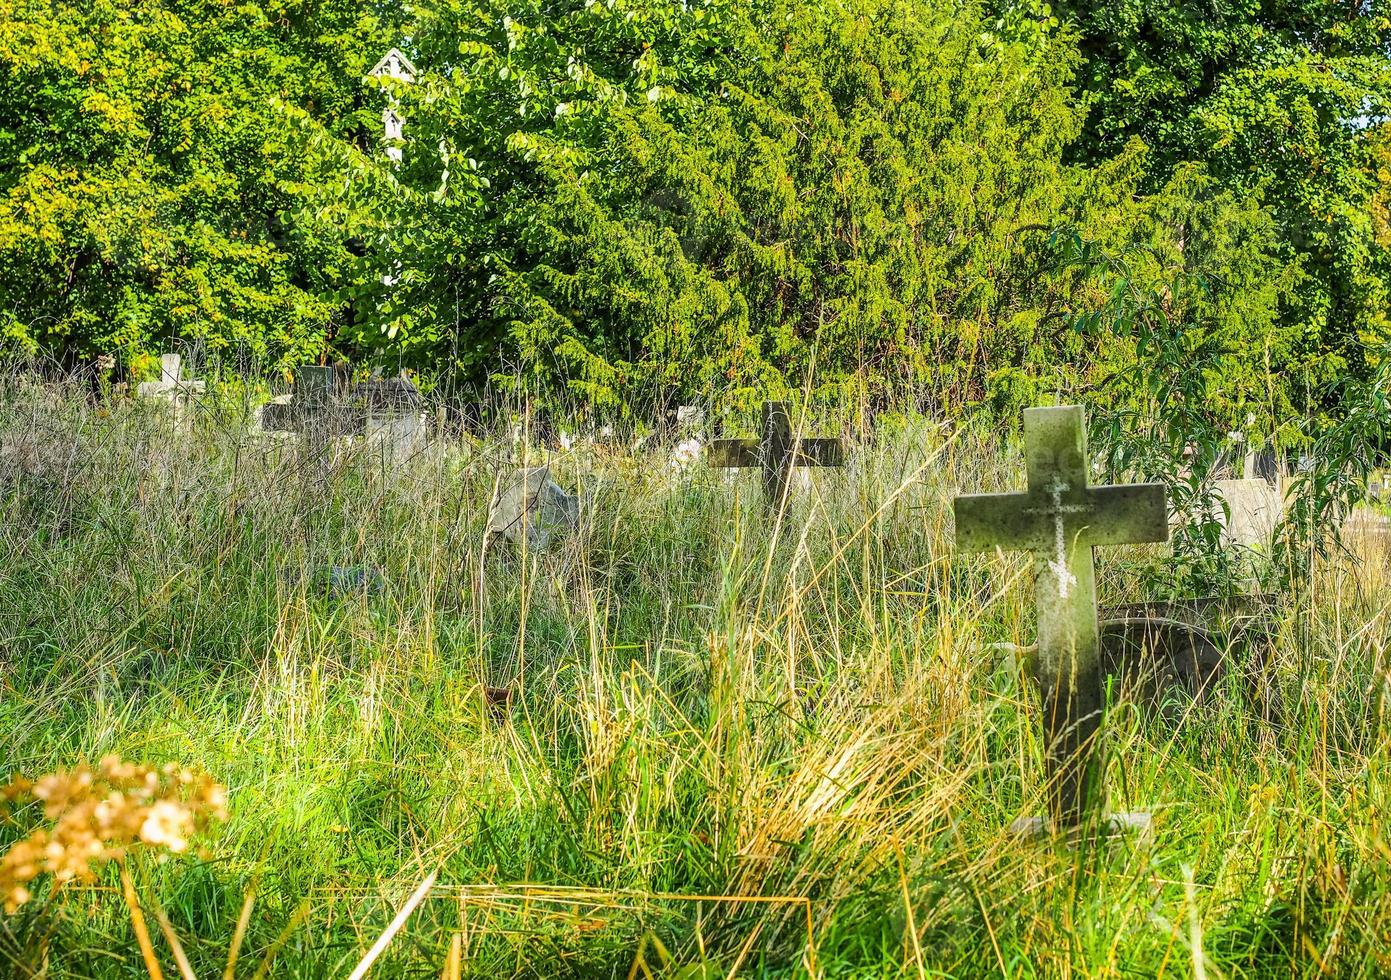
(995, 520)
(733, 453)
(1131, 514)
(819, 452)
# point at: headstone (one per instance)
(315, 410)
(1060, 519)
(686, 453)
(394, 415)
(172, 388)
(531, 508)
(1252, 510)
(1264, 464)
(322, 406)
(342, 581)
(777, 452)
(1378, 486)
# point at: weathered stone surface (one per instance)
(1060, 519)
(1253, 509)
(172, 387)
(531, 508)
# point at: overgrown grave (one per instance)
(173, 389)
(322, 410)
(529, 509)
(324, 406)
(1059, 519)
(777, 452)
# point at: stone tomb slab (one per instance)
(530, 509)
(1253, 510)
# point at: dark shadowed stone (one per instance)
(342, 581)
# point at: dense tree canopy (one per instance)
(620, 200)
(1281, 99)
(147, 190)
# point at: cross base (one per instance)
(1112, 826)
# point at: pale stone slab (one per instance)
(172, 387)
(532, 508)
(1253, 510)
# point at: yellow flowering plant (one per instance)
(99, 814)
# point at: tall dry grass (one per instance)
(737, 745)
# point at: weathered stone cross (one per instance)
(776, 452)
(172, 387)
(1060, 519)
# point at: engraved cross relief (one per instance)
(1059, 519)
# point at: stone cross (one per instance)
(1060, 519)
(776, 452)
(172, 387)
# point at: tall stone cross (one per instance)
(172, 387)
(1060, 519)
(776, 452)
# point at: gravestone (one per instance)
(314, 411)
(1252, 510)
(1060, 519)
(1378, 486)
(172, 388)
(323, 407)
(776, 452)
(394, 413)
(1264, 464)
(530, 508)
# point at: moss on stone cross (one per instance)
(1060, 519)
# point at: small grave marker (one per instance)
(530, 507)
(776, 452)
(323, 407)
(1253, 509)
(1060, 519)
(311, 411)
(172, 387)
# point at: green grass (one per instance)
(778, 748)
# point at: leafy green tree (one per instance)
(147, 186)
(1277, 99)
(636, 199)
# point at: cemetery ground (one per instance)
(688, 738)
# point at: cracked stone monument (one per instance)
(1060, 519)
(777, 452)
